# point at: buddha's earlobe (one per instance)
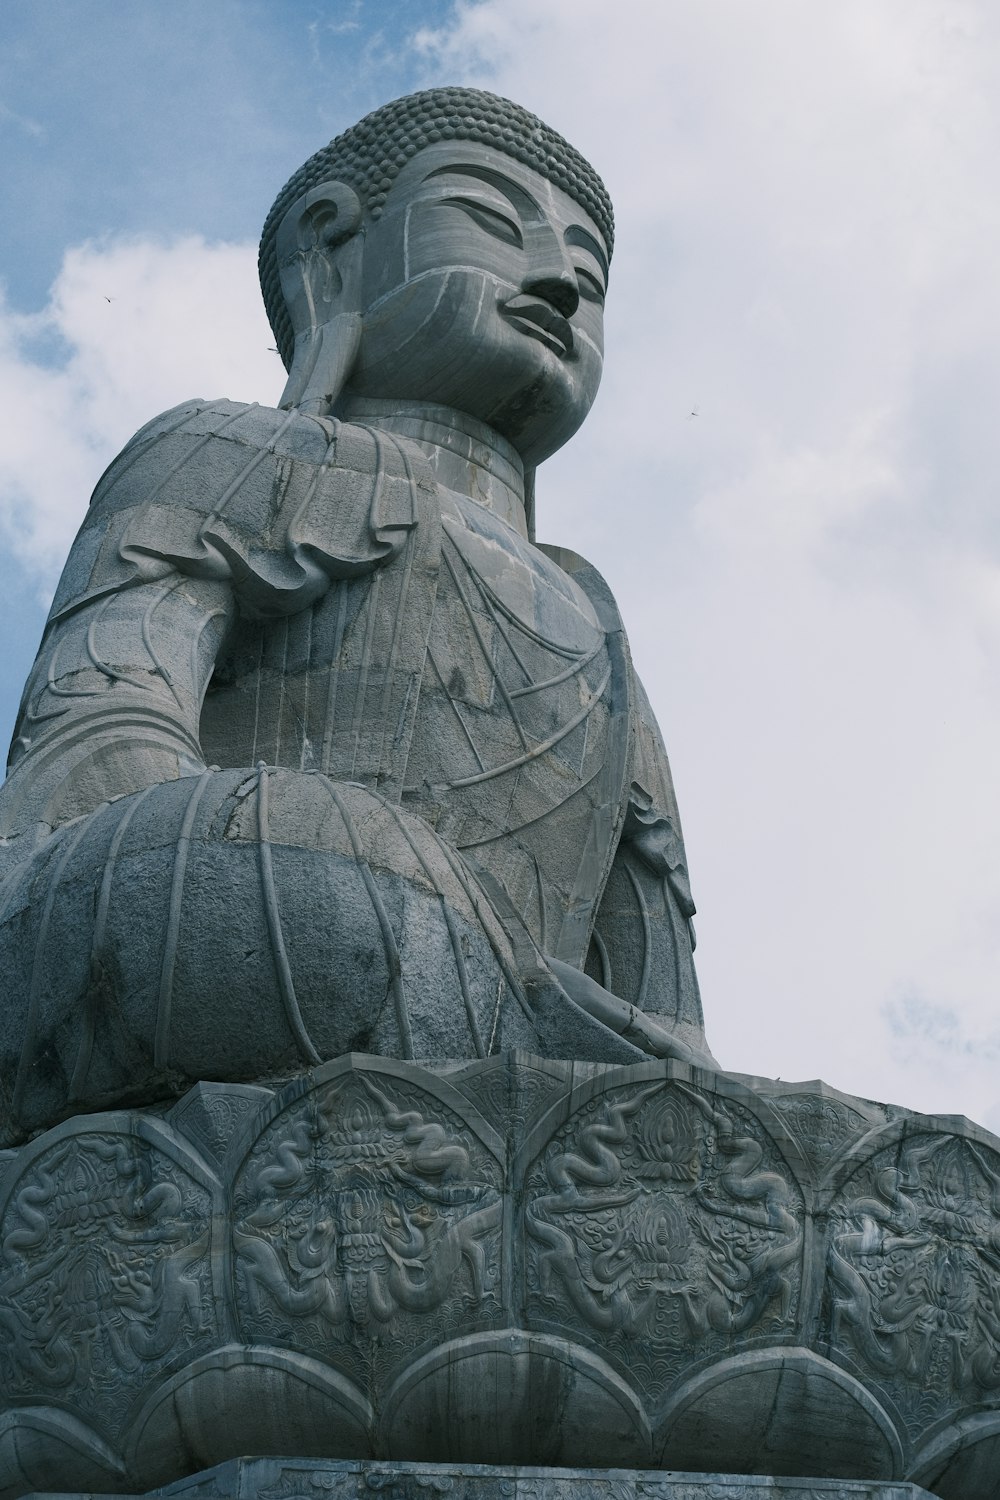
(319, 262)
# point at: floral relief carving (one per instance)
(823, 1126)
(914, 1270)
(359, 1209)
(656, 1226)
(104, 1267)
(663, 1217)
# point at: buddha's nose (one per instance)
(560, 291)
(550, 273)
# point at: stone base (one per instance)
(322, 1479)
(516, 1261)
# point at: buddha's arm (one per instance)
(212, 510)
(643, 941)
(113, 700)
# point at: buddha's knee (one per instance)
(240, 925)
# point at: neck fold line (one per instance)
(465, 454)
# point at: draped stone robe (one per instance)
(256, 589)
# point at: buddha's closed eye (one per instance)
(489, 218)
(590, 287)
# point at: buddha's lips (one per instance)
(539, 320)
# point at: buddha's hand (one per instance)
(625, 1020)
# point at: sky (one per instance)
(789, 478)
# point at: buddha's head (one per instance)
(450, 248)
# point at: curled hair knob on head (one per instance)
(369, 155)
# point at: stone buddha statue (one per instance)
(321, 752)
(356, 1116)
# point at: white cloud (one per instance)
(76, 379)
(25, 123)
(807, 223)
(811, 570)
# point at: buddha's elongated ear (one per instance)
(319, 263)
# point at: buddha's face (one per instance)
(483, 289)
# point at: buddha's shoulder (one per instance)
(202, 445)
(587, 578)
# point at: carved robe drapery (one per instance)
(257, 597)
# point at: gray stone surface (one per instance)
(282, 1479)
(314, 720)
(511, 1260)
(354, 1095)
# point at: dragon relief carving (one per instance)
(914, 1266)
(357, 1209)
(579, 1487)
(653, 1215)
(824, 1127)
(104, 1265)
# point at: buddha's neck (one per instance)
(465, 455)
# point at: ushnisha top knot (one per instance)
(370, 154)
